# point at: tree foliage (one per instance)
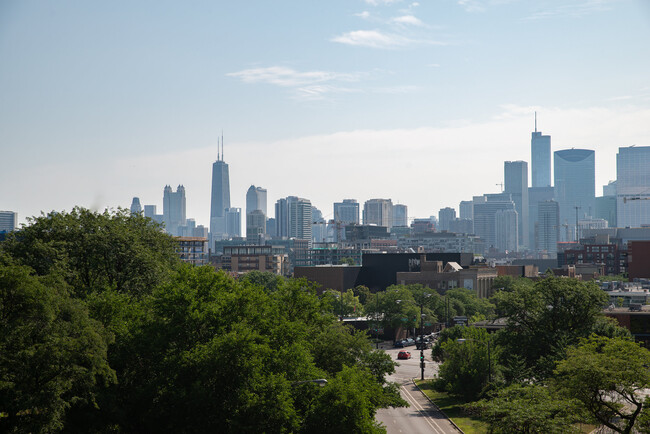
(607, 376)
(109, 333)
(469, 361)
(527, 409)
(546, 318)
(95, 251)
(53, 357)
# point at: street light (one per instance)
(462, 340)
(422, 316)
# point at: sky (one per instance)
(420, 102)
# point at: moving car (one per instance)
(404, 355)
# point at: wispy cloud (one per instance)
(574, 9)
(372, 38)
(378, 39)
(287, 77)
(365, 15)
(407, 20)
(472, 5)
(381, 2)
(307, 85)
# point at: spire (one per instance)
(222, 145)
(535, 121)
(218, 158)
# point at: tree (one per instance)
(527, 409)
(607, 376)
(546, 318)
(347, 404)
(53, 357)
(467, 364)
(96, 251)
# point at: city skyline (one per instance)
(381, 98)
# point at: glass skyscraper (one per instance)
(515, 174)
(575, 186)
(540, 152)
(633, 186)
(220, 197)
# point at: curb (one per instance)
(436, 407)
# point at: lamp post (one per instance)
(462, 340)
(422, 316)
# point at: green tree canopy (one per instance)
(53, 357)
(546, 318)
(607, 376)
(95, 251)
(527, 409)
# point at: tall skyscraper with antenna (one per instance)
(540, 152)
(220, 197)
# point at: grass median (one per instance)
(452, 407)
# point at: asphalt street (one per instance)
(421, 416)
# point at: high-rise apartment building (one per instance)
(256, 199)
(540, 152)
(515, 175)
(536, 195)
(220, 197)
(282, 218)
(299, 218)
(378, 212)
(506, 230)
(548, 227)
(8, 221)
(400, 215)
(255, 227)
(174, 205)
(318, 227)
(575, 187)
(347, 212)
(233, 222)
(633, 186)
(445, 215)
(466, 209)
(136, 208)
(485, 215)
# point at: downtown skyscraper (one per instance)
(220, 197)
(540, 152)
(633, 186)
(575, 187)
(516, 184)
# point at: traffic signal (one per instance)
(422, 357)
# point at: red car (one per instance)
(404, 355)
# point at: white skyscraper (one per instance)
(378, 212)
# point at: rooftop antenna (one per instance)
(221, 145)
(218, 159)
(535, 121)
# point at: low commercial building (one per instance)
(442, 278)
(193, 250)
(242, 259)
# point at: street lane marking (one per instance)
(427, 417)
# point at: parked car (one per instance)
(409, 342)
(403, 355)
(400, 344)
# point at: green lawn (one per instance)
(450, 405)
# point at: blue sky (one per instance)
(420, 102)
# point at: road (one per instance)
(421, 416)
